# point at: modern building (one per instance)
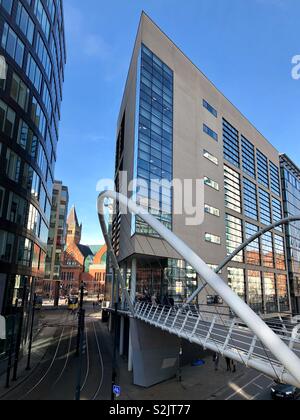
(175, 124)
(32, 41)
(82, 263)
(56, 241)
(290, 180)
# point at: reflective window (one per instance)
(275, 179)
(7, 119)
(277, 212)
(270, 293)
(19, 92)
(210, 108)
(210, 132)
(210, 157)
(248, 152)
(236, 281)
(234, 236)
(262, 169)
(232, 188)
(265, 207)
(212, 184)
(250, 200)
(252, 252)
(25, 248)
(279, 252)
(17, 209)
(155, 138)
(6, 246)
(255, 291)
(13, 45)
(42, 17)
(214, 239)
(13, 165)
(283, 292)
(231, 144)
(211, 210)
(7, 5)
(34, 73)
(267, 250)
(25, 22)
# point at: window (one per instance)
(42, 17)
(232, 187)
(210, 157)
(210, 183)
(275, 179)
(43, 55)
(25, 249)
(212, 239)
(210, 108)
(277, 212)
(236, 281)
(7, 4)
(24, 22)
(34, 73)
(248, 152)
(279, 253)
(154, 154)
(234, 236)
(231, 144)
(27, 140)
(212, 210)
(255, 291)
(2, 195)
(267, 250)
(17, 209)
(13, 165)
(210, 132)
(38, 116)
(19, 92)
(252, 251)
(7, 119)
(250, 199)
(263, 169)
(265, 207)
(270, 293)
(283, 292)
(34, 220)
(13, 45)
(6, 246)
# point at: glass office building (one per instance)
(174, 124)
(290, 179)
(32, 41)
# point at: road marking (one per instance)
(67, 359)
(102, 365)
(258, 386)
(240, 390)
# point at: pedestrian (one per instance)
(154, 300)
(233, 366)
(216, 359)
(228, 364)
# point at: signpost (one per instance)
(116, 391)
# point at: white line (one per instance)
(67, 359)
(258, 386)
(49, 368)
(102, 365)
(87, 360)
(244, 387)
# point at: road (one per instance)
(55, 377)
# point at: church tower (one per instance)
(74, 229)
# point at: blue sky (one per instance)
(245, 47)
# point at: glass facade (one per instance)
(231, 144)
(28, 140)
(290, 181)
(155, 139)
(234, 236)
(232, 190)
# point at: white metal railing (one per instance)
(228, 337)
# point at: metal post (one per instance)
(114, 361)
(11, 346)
(31, 333)
(19, 337)
(79, 321)
(81, 352)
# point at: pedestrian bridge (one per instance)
(243, 336)
(223, 334)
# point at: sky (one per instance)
(245, 47)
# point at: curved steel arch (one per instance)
(257, 235)
(279, 349)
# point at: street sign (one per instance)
(117, 390)
(2, 328)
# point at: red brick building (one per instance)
(82, 263)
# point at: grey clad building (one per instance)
(290, 177)
(175, 124)
(50, 288)
(32, 41)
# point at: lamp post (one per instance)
(31, 333)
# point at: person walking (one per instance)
(216, 359)
(233, 365)
(228, 364)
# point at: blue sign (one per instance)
(117, 390)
